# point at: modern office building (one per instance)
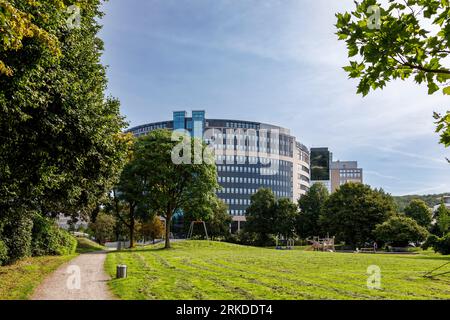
(249, 155)
(343, 172)
(321, 159)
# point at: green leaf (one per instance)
(446, 90)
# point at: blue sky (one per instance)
(275, 61)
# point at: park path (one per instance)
(83, 278)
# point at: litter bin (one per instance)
(121, 271)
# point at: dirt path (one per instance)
(83, 278)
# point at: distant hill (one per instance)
(431, 199)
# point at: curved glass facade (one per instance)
(249, 156)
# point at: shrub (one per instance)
(399, 231)
(441, 245)
(49, 239)
(3, 253)
(17, 236)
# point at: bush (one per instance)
(399, 231)
(17, 236)
(3, 253)
(49, 239)
(441, 245)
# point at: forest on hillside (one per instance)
(430, 199)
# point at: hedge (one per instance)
(49, 239)
(3, 253)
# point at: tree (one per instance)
(218, 223)
(261, 215)
(441, 245)
(152, 229)
(399, 40)
(311, 206)
(286, 215)
(62, 148)
(419, 211)
(171, 173)
(103, 228)
(353, 211)
(400, 230)
(443, 219)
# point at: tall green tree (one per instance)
(261, 215)
(399, 39)
(219, 221)
(286, 213)
(311, 206)
(443, 219)
(353, 211)
(62, 148)
(177, 173)
(419, 211)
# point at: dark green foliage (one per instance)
(268, 218)
(286, 213)
(399, 231)
(401, 45)
(62, 147)
(311, 206)
(218, 223)
(49, 239)
(441, 245)
(17, 236)
(443, 219)
(261, 218)
(353, 211)
(419, 211)
(3, 253)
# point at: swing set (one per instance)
(191, 229)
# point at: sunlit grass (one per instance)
(212, 270)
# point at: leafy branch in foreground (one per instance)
(409, 39)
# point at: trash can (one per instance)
(121, 271)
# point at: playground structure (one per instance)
(322, 244)
(284, 244)
(191, 229)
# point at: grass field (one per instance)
(212, 270)
(85, 245)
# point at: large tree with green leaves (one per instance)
(62, 148)
(419, 211)
(399, 39)
(311, 206)
(353, 211)
(286, 213)
(261, 215)
(169, 185)
(399, 231)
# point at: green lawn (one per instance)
(85, 245)
(212, 270)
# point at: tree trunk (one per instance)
(168, 218)
(132, 223)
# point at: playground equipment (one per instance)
(191, 229)
(284, 244)
(324, 244)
